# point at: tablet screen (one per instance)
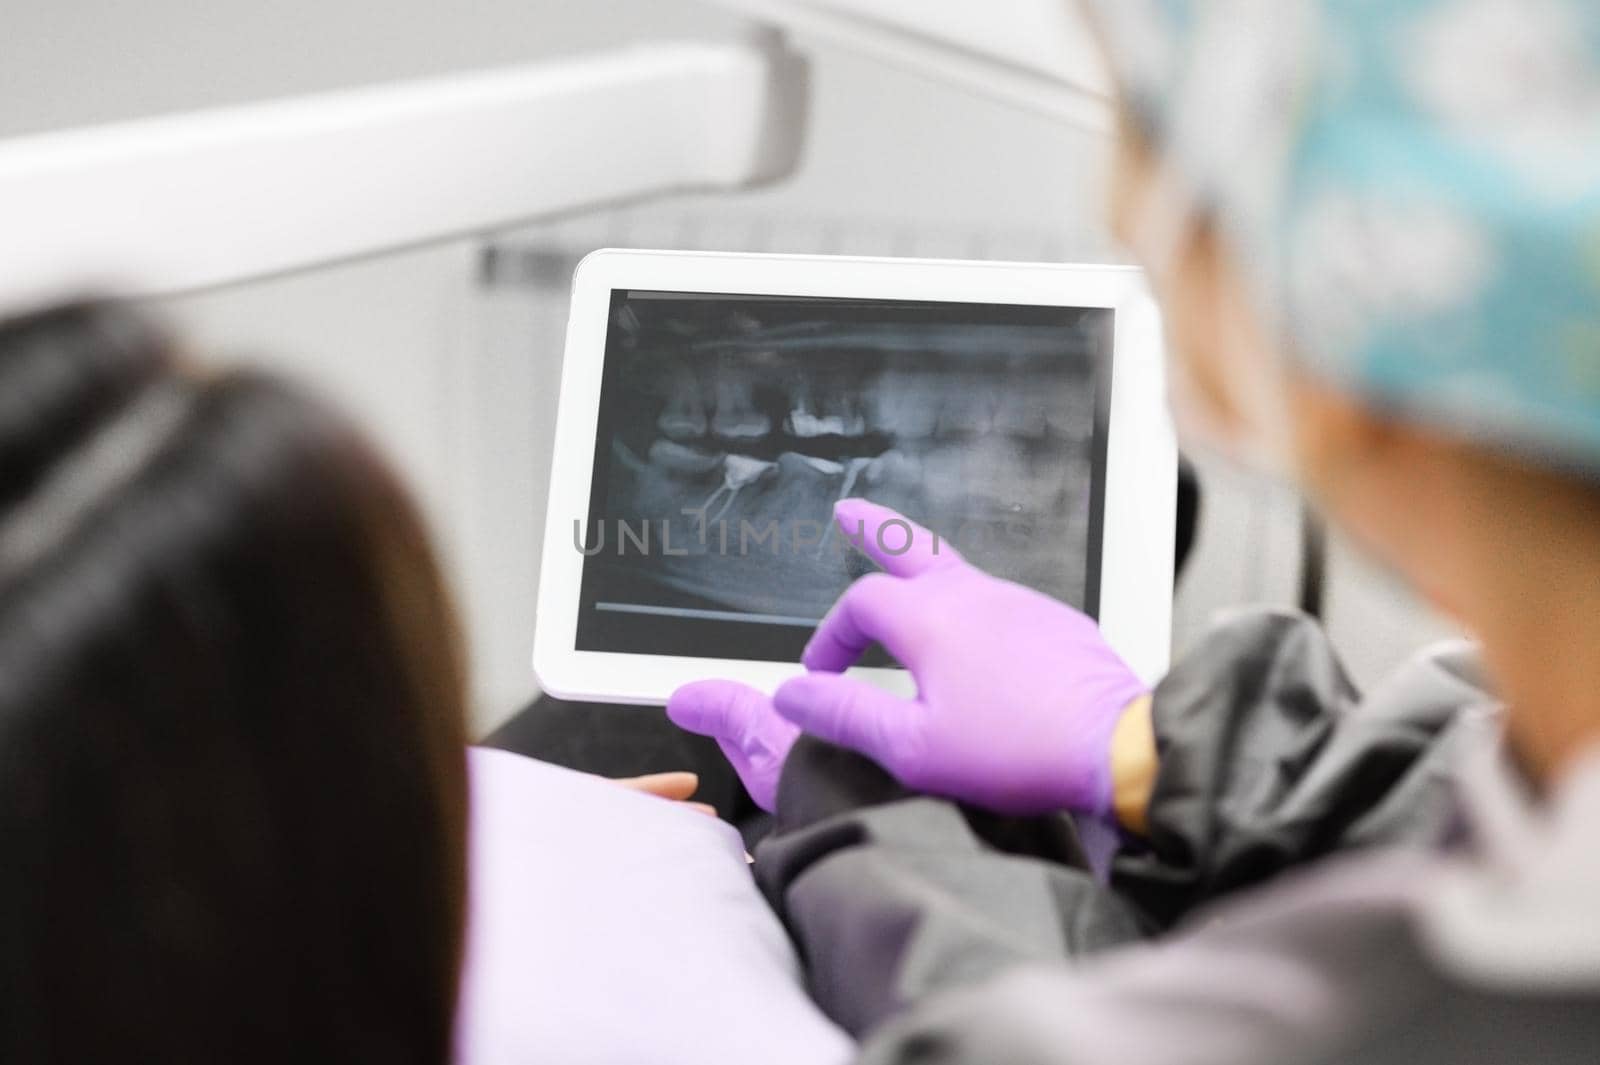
(730, 425)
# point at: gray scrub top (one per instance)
(1329, 877)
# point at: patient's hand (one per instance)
(674, 786)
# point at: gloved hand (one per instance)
(742, 720)
(1018, 694)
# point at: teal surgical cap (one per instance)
(1412, 188)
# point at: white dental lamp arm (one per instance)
(206, 198)
(1033, 55)
(174, 203)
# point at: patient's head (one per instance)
(231, 707)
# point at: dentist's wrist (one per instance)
(1134, 765)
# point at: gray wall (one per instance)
(456, 378)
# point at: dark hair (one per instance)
(232, 763)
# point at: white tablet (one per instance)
(715, 406)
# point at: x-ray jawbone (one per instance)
(757, 536)
(734, 436)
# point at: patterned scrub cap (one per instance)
(1412, 188)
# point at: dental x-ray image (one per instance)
(730, 425)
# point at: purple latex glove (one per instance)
(1018, 694)
(745, 725)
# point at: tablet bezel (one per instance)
(1140, 490)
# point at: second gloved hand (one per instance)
(753, 737)
(1018, 694)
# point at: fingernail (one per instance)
(674, 777)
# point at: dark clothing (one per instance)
(1299, 900)
(1271, 759)
(942, 936)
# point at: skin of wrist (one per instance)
(1133, 766)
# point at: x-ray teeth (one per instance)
(740, 470)
(1005, 476)
(1021, 405)
(892, 467)
(683, 415)
(755, 420)
(822, 465)
(905, 404)
(1072, 418)
(737, 417)
(968, 405)
(895, 479)
(946, 470)
(818, 410)
(670, 455)
(992, 476)
(804, 424)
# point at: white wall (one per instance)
(76, 61)
(457, 379)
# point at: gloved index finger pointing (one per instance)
(872, 610)
(895, 542)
